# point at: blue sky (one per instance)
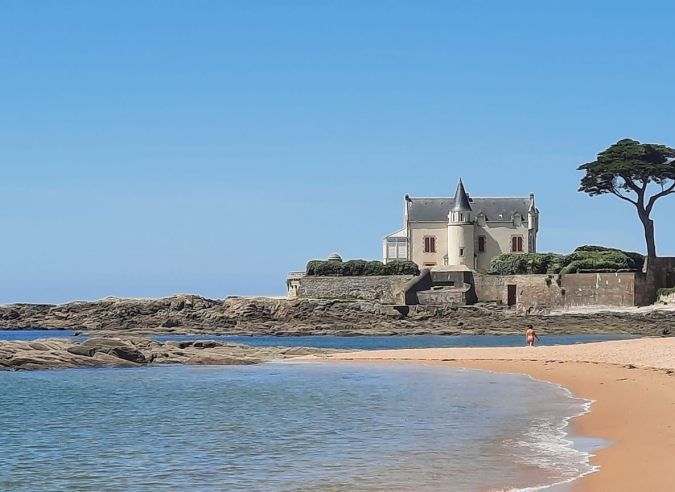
(156, 147)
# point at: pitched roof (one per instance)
(461, 201)
(437, 209)
(397, 234)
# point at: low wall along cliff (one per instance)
(566, 291)
(382, 289)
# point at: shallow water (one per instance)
(362, 343)
(283, 427)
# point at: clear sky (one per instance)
(154, 147)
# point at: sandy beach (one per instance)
(632, 383)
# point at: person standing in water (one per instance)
(531, 336)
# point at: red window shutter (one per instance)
(520, 244)
(429, 244)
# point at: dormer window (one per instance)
(517, 220)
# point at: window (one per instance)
(391, 251)
(517, 244)
(402, 249)
(461, 252)
(481, 244)
(429, 244)
(397, 248)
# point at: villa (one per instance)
(464, 230)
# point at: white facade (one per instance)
(463, 230)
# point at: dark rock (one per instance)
(128, 353)
(82, 350)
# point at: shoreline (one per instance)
(633, 407)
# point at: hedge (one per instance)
(583, 259)
(359, 268)
(665, 292)
(522, 263)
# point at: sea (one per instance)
(287, 426)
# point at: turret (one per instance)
(460, 213)
(460, 230)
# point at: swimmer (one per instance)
(530, 336)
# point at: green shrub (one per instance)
(354, 268)
(522, 263)
(403, 267)
(584, 258)
(665, 292)
(358, 268)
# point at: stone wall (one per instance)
(532, 291)
(568, 291)
(660, 273)
(383, 289)
(667, 298)
(602, 289)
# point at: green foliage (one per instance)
(585, 258)
(522, 263)
(403, 267)
(627, 165)
(665, 292)
(626, 169)
(358, 268)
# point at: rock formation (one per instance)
(281, 317)
(62, 353)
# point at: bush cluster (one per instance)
(519, 263)
(358, 268)
(584, 259)
(665, 291)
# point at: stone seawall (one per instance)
(544, 292)
(383, 289)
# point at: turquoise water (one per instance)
(284, 427)
(362, 343)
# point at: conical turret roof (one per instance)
(461, 201)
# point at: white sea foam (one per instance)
(548, 446)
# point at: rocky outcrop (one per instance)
(283, 317)
(62, 353)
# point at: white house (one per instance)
(463, 230)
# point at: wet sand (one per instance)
(632, 383)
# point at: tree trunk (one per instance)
(648, 224)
